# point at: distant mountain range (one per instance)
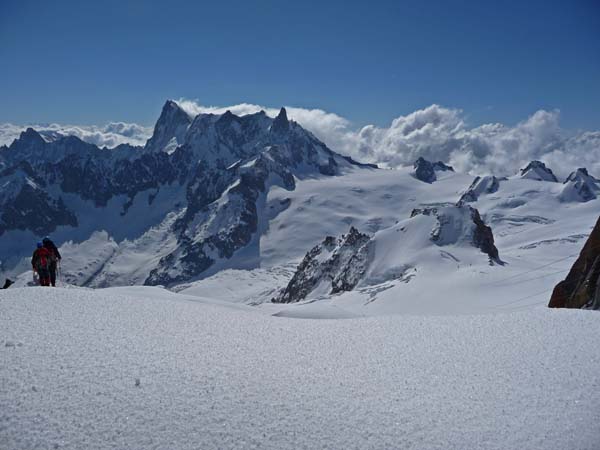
(215, 192)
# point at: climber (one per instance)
(54, 259)
(40, 262)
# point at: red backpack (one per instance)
(43, 258)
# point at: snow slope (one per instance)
(143, 368)
(537, 233)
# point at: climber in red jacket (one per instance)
(40, 261)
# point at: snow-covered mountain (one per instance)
(537, 170)
(396, 253)
(580, 186)
(219, 199)
(194, 195)
(399, 266)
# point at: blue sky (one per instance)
(94, 62)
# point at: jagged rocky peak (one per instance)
(30, 145)
(581, 288)
(336, 265)
(281, 123)
(31, 136)
(458, 224)
(170, 128)
(481, 185)
(28, 142)
(537, 170)
(425, 170)
(580, 186)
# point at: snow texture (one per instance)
(143, 368)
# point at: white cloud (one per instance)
(109, 135)
(439, 133)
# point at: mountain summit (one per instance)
(170, 128)
(198, 186)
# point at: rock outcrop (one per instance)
(580, 186)
(425, 170)
(335, 265)
(357, 261)
(537, 170)
(480, 185)
(581, 288)
(461, 223)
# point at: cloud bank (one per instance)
(440, 133)
(110, 135)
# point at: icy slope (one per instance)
(142, 368)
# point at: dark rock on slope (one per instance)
(581, 288)
(480, 185)
(33, 209)
(425, 170)
(339, 264)
(461, 222)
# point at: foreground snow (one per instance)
(145, 368)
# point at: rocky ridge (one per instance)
(537, 170)
(335, 265)
(581, 287)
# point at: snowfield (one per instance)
(145, 368)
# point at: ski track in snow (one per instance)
(216, 377)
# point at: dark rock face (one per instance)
(34, 209)
(483, 238)
(581, 288)
(425, 170)
(281, 123)
(170, 127)
(537, 170)
(480, 185)
(339, 263)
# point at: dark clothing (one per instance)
(40, 261)
(55, 256)
(44, 276)
(52, 272)
(52, 248)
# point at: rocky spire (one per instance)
(30, 136)
(281, 122)
(172, 123)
